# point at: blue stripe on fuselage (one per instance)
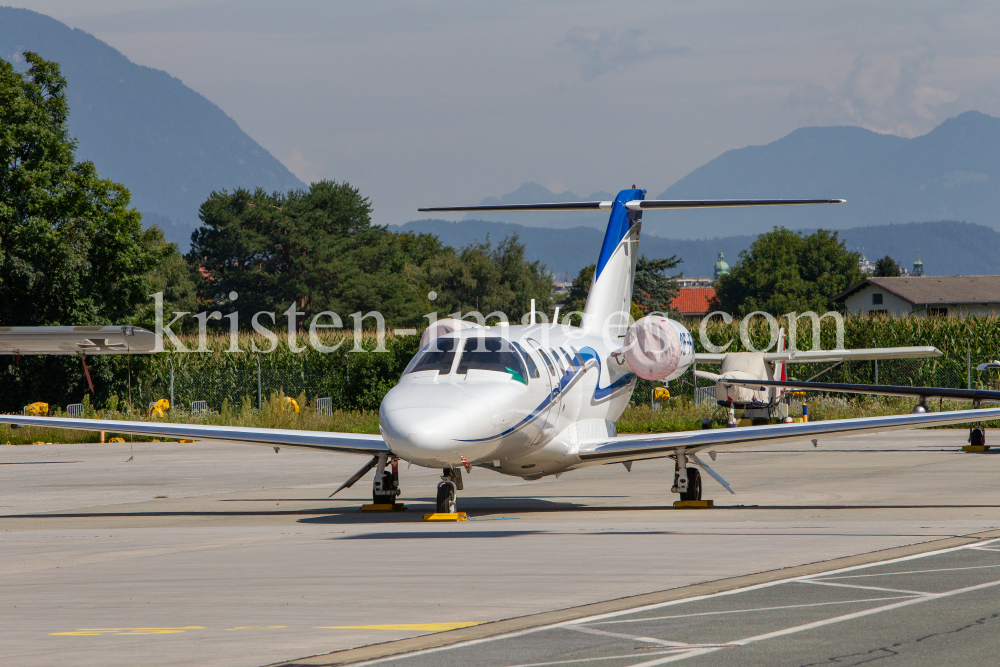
(600, 393)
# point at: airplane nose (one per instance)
(422, 433)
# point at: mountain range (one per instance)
(946, 248)
(142, 127)
(950, 173)
(171, 147)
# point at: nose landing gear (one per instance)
(385, 488)
(451, 483)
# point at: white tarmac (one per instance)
(246, 562)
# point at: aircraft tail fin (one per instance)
(610, 300)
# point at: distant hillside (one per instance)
(141, 127)
(950, 173)
(533, 193)
(946, 248)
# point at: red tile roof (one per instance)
(693, 300)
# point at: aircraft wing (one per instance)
(811, 356)
(874, 389)
(353, 443)
(816, 356)
(657, 445)
(76, 340)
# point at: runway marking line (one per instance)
(943, 569)
(700, 651)
(819, 582)
(749, 611)
(94, 632)
(818, 624)
(406, 627)
(399, 649)
(258, 627)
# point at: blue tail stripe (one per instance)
(619, 223)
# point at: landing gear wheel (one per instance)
(694, 485)
(446, 498)
(977, 436)
(388, 484)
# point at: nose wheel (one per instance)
(385, 488)
(446, 498)
(447, 491)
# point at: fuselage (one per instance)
(516, 399)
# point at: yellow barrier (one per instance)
(292, 403)
(661, 393)
(159, 409)
(38, 409)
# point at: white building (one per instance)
(959, 296)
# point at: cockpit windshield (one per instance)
(492, 354)
(438, 356)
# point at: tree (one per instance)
(316, 247)
(175, 278)
(72, 252)
(653, 291)
(886, 267)
(489, 279)
(579, 290)
(784, 271)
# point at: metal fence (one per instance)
(236, 387)
(233, 387)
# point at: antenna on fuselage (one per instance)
(532, 311)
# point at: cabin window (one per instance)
(579, 357)
(492, 354)
(559, 362)
(876, 299)
(568, 358)
(548, 362)
(532, 368)
(437, 356)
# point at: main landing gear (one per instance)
(385, 488)
(687, 481)
(451, 483)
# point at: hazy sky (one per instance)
(436, 103)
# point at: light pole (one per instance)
(171, 362)
(260, 398)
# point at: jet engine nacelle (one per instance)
(743, 366)
(657, 348)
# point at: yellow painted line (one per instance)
(258, 627)
(94, 632)
(417, 627)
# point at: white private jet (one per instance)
(537, 399)
(758, 400)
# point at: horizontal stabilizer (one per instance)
(636, 205)
(567, 206)
(646, 204)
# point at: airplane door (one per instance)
(549, 373)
